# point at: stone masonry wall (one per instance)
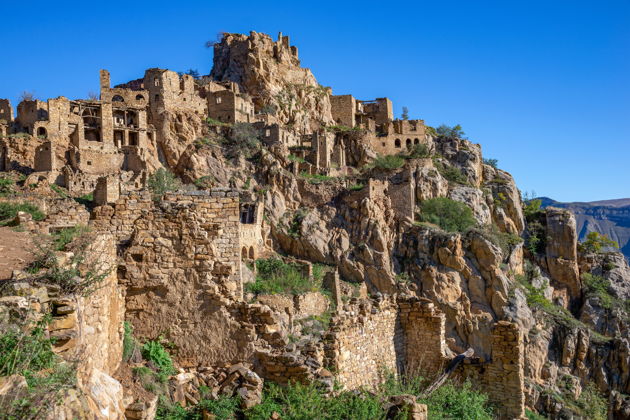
(365, 342)
(181, 270)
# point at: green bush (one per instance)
(450, 215)
(491, 162)
(596, 242)
(162, 181)
(451, 173)
(274, 276)
(244, 139)
(505, 241)
(6, 186)
(388, 162)
(297, 159)
(85, 199)
(458, 402)
(598, 287)
(155, 352)
(356, 187)
(60, 191)
(419, 151)
(298, 401)
(8, 211)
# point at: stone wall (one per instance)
(181, 269)
(365, 342)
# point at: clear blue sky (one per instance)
(542, 85)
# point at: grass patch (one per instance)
(297, 159)
(274, 276)
(213, 122)
(316, 178)
(356, 187)
(86, 199)
(30, 354)
(59, 191)
(505, 241)
(63, 237)
(297, 401)
(6, 186)
(8, 211)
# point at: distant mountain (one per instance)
(610, 217)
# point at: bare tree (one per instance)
(27, 95)
(93, 96)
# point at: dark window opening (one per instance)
(247, 213)
(416, 141)
(397, 143)
(408, 143)
(41, 132)
(139, 98)
(118, 98)
(89, 162)
(133, 138)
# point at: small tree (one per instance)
(244, 138)
(92, 96)
(596, 242)
(405, 113)
(194, 73)
(491, 162)
(454, 132)
(162, 181)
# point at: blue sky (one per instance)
(543, 86)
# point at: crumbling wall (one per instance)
(182, 270)
(365, 342)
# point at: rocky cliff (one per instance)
(608, 217)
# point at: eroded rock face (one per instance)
(270, 72)
(561, 252)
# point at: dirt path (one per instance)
(15, 251)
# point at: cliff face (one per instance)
(611, 218)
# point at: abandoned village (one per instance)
(254, 227)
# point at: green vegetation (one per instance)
(491, 162)
(533, 416)
(297, 159)
(6, 186)
(269, 109)
(295, 225)
(79, 274)
(85, 199)
(8, 211)
(243, 140)
(536, 241)
(451, 173)
(162, 181)
(556, 314)
(356, 187)
(274, 276)
(130, 345)
(450, 215)
(299, 402)
(505, 241)
(60, 191)
(598, 287)
(30, 355)
(213, 122)
(418, 151)
(205, 182)
(405, 113)
(454, 132)
(63, 237)
(316, 178)
(154, 352)
(596, 242)
(388, 162)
